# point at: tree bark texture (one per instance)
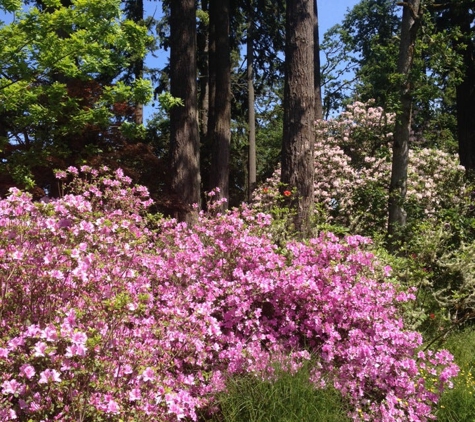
(317, 76)
(462, 17)
(400, 160)
(299, 111)
(184, 135)
(203, 70)
(135, 11)
(250, 103)
(220, 124)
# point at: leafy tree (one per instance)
(60, 102)
(364, 47)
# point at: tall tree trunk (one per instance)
(135, 11)
(299, 110)
(221, 129)
(317, 76)
(207, 146)
(400, 160)
(203, 71)
(250, 104)
(184, 134)
(465, 91)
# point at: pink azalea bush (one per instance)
(108, 315)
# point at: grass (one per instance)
(458, 404)
(291, 398)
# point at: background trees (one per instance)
(89, 109)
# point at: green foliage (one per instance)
(168, 101)
(59, 95)
(288, 398)
(361, 64)
(10, 5)
(458, 404)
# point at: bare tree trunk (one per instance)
(221, 130)
(461, 17)
(184, 134)
(135, 11)
(299, 111)
(252, 177)
(398, 186)
(317, 76)
(203, 69)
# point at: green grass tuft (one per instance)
(458, 404)
(290, 398)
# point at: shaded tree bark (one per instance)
(134, 10)
(252, 176)
(219, 124)
(462, 17)
(184, 135)
(400, 160)
(203, 70)
(299, 110)
(317, 76)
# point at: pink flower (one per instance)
(27, 370)
(11, 387)
(40, 349)
(112, 407)
(135, 394)
(50, 334)
(148, 374)
(75, 350)
(49, 375)
(79, 338)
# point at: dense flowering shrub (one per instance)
(353, 171)
(107, 315)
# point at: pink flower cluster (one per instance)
(105, 314)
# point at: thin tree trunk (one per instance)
(299, 111)
(184, 135)
(135, 11)
(250, 103)
(203, 69)
(221, 135)
(317, 76)
(400, 160)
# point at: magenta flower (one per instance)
(148, 374)
(28, 371)
(135, 394)
(40, 349)
(112, 407)
(11, 387)
(49, 375)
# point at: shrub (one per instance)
(108, 316)
(353, 171)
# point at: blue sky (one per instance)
(331, 12)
